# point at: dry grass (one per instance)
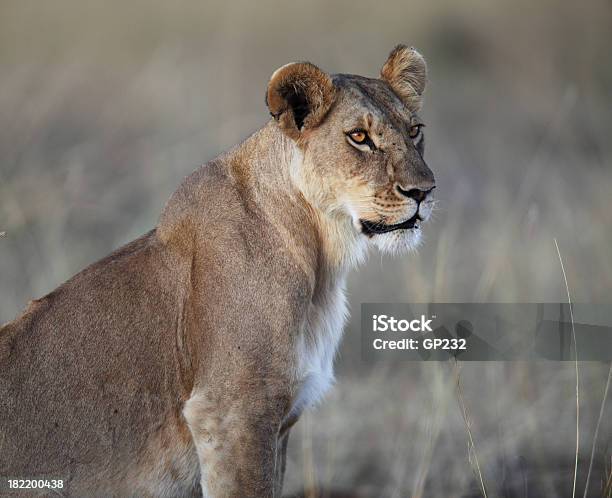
(607, 488)
(569, 301)
(601, 414)
(472, 454)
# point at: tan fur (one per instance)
(177, 365)
(308, 83)
(406, 72)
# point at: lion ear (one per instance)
(406, 73)
(299, 96)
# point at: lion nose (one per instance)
(415, 193)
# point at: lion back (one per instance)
(88, 372)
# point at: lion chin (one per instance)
(398, 242)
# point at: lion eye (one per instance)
(358, 136)
(415, 130)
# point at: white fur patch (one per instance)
(317, 347)
(398, 242)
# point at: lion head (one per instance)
(362, 142)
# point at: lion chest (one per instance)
(316, 348)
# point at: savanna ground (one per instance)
(106, 106)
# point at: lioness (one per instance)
(177, 365)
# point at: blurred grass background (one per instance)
(106, 106)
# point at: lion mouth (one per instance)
(375, 227)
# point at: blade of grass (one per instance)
(466, 420)
(601, 412)
(569, 300)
